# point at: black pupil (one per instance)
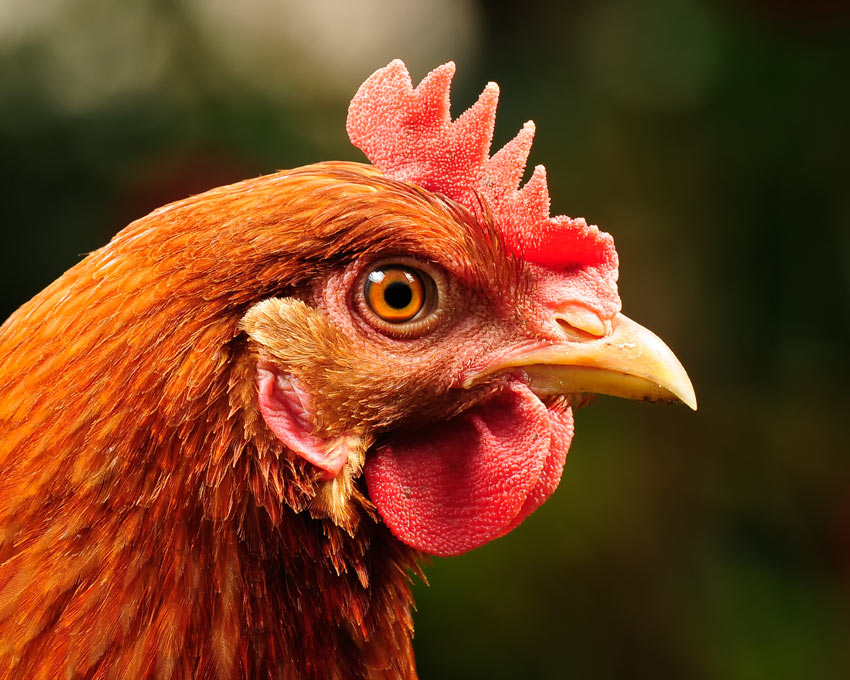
(398, 295)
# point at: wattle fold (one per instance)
(456, 486)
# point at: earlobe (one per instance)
(287, 407)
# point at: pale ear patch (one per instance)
(287, 327)
(286, 406)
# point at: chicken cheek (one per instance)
(453, 488)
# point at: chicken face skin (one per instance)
(335, 383)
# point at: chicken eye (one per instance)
(396, 294)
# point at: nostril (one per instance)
(576, 320)
(570, 332)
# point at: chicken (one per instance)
(229, 435)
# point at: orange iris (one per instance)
(395, 294)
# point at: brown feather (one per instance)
(150, 524)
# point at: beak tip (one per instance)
(680, 387)
(686, 393)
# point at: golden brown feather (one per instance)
(150, 525)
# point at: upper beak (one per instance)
(630, 362)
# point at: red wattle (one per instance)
(452, 488)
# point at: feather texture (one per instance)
(149, 523)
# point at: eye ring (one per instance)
(401, 297)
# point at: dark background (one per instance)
(710, 138)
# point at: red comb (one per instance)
(409, 135)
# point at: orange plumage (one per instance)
(220, 460)
(141, 504)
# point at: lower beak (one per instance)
(630, 362)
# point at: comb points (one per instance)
(433, 94)
(507, 166)
(408, 134)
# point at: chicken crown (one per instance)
(408, 134)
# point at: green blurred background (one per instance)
(710, 138)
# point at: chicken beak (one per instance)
(630, 361)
